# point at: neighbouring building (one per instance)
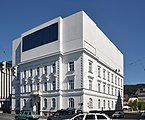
(5, 86)
(67, 63)
(140, 94)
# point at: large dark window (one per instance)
(40, 37)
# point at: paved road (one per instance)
(128, 116)
(4, 116)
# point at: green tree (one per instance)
(135, 105)
(131, 104)
(141, 105)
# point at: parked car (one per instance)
(91, 116)
(27, 115)
(143, 115)
(118, 114)
(64, 114)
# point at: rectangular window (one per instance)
(24, 74)
(112, 105)
(121, 82)
(121, 93)
(31, 88)
(112, 90)
(108, 89)
(71, 83)
(54, 84)
(115, 91)
(45, 70)
(112, 78)
(99, 87)
(118, 81)
(104, 74)
(38, 71)
(99, 71)
(24, 88)
(115, 80)
(108, 76)
(37, 86)
(40, 37)
(53, 68)
(104, 89)
(45, 86)
(30, 73)
(71, 66)
(90, 66)
(90, 84)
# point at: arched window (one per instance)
(30, 103)
(90, 103)
(99, 106)
(54, 84)
(38, 86)
(24, 102)
(108, 104)
(112, 104)
(71, 102)
(45, 103)
(104, 104)
(45, 86)
(53, 103)
(24, 88)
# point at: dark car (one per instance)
(143, 115)
(64, 114)
(26, 115)
(118, 114)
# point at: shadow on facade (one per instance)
(6, 105)
(118, 105)
(16, 80)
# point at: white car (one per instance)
(91, 116)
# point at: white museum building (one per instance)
(67, 63)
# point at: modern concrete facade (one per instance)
(78, 67)
(5, 86)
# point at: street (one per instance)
(128, 116)
(4, 116)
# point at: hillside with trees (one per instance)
(130, 90)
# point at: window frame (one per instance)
(45, 102)
(90, 66)
(71, 66)
(38, 71)
(99, 71)
(104, 74)
(53, 103)
(71, 83)
(71, 103)
(90, 84)
(53, 84)
(45, 86)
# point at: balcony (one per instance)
(37, 77)
(44, 76)
(36, 93)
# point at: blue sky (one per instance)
(123, 21)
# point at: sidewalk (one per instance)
(43, 118)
